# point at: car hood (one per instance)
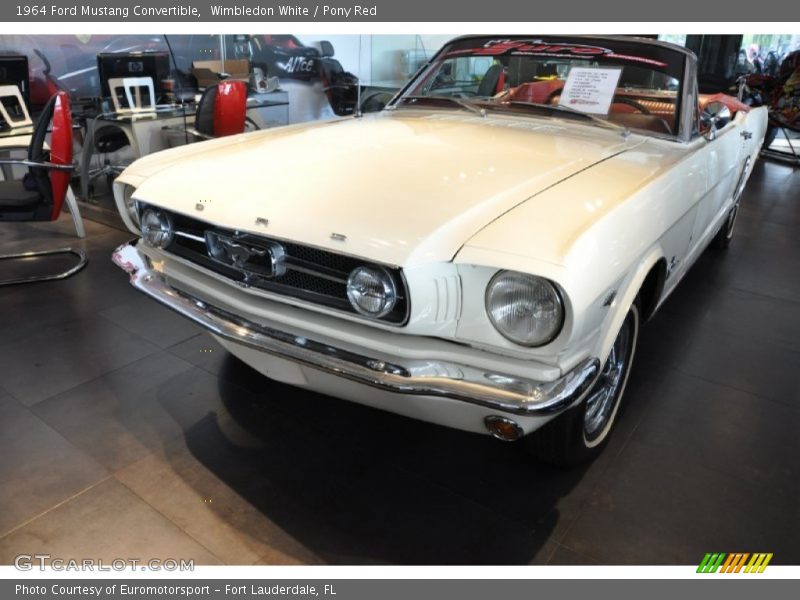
(401, 188)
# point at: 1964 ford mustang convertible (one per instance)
(479, 254)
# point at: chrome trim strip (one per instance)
(26, 162)
(190, 236)
(291, 264)
(142, 204)
(498, 391)
(688, 101)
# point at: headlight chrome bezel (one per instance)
(160, 234)
(556, 297)
(389, 289)
(131, 205)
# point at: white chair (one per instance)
(12, 107)
(132, 88)
(20, 126)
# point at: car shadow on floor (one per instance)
(359, 486)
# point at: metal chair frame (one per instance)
(82, 262)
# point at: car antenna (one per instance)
(357, 112)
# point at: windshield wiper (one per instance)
(567, 109)
(482, 111)
(459, 101)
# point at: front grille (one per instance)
(311, 274)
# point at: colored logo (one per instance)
(734, 563)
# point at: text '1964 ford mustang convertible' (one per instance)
(479, 254)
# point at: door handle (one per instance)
(746, 134)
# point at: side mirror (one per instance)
(326, 49)
(715, 116)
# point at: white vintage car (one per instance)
(479, 254)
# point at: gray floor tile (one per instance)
(656, 506)
(761, 368)
(199, 502)
(124, 415)
(203, 351)
(27, 309)
(344, 502)
(760, 267)
(62, 230)
(737, 313)
(544, 554)
(62, 356)
(152, 321)
(747, 437)
(38, 467)
(104, 523)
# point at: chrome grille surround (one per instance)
(285, 268)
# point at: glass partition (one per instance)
(393, 59)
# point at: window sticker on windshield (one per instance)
(589, 89)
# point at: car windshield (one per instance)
(634, 84)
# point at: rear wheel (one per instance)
(769, 137)
(724, 236)
(581, 433)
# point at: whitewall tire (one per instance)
(580, 433)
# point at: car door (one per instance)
(709, 177)
(722, 156)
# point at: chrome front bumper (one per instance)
(498, 391)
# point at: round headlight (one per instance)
(523, 308)
(371, 291)
(157, 228)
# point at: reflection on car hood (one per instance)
(402, 187)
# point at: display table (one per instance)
(144, 130)
(268, 110)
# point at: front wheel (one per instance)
(581, 433)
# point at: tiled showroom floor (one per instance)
(125, 432)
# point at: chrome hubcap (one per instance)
(603, 397)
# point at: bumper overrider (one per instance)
(504, 393)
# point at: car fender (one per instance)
(624, 299)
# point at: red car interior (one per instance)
(630, 109)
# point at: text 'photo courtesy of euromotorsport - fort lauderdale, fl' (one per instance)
(73, 591)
